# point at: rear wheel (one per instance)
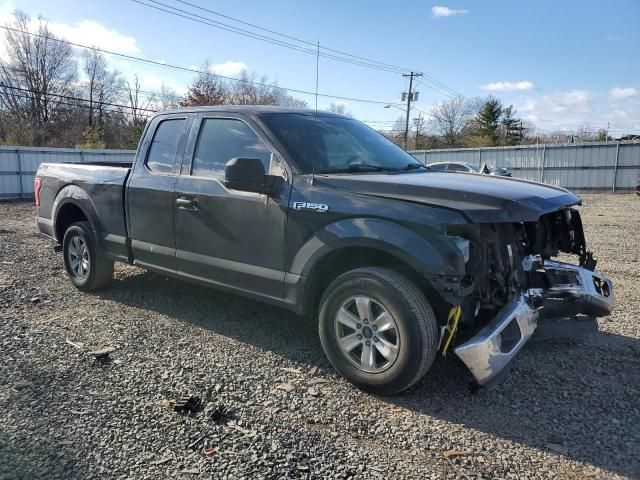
(378, 330)
(87, 267)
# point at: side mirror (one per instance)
(248, 175)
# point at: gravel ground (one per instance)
(568, 409)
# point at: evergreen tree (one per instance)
(496, 124)
(488, 121)
(512, 127)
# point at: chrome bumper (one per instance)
(578, 290)
(585, 292)
(493, 347)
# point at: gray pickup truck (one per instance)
(319, 214)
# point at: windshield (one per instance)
(337, 144)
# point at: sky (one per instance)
(562, 64)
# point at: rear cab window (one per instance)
(164, 146)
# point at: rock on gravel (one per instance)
(568, 409)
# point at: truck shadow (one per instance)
(562, 396)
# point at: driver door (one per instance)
(227, 237)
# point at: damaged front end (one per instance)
(511, 284)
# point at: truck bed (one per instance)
(98, 186)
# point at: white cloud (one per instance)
(528, 105)
(624, 92)
(447, 12)
(508, 86)
(228, 68)
(574, 100)
(92, 33)
(84, 32)
(574, 108)
(151, 81)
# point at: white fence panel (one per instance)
(598, 166)
(18, 165)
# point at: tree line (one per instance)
(479, 122)
(50, 97)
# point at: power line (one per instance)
(256, 36)
(151, 95)
(360, 61)
(290, 37)
(449, 92)
(194, 70)
(74, 105)
(69, 97)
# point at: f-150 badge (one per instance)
(316, 207)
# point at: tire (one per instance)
(92, 270)
(413, 337)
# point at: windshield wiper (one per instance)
(411, 167)
(360, 167)
(416, 166)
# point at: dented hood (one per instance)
(481, 198)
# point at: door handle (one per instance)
(187, 203)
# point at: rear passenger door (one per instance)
(227, 237)
(150, 192)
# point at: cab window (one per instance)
(164, 146)
(220, 140)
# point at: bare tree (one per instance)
(292, 102)
(420, 137)
(135, 113)
(396, 132)
(250, 89)
(339, 108)
(166, 98)
(103, 86)
(36, 77)
(451, 119)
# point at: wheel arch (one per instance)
(72, 204)
(366, 243)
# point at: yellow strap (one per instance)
(452, 326)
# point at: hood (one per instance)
(481, 198)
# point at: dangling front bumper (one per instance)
(573, 290)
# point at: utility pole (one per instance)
(410, 98)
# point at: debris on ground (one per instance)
(161, 461)
(456, 453)
(195, 442)
(291, 370)
(287, 387)
(220, 413)
(76, 345)
(102, 353)
(190, 403)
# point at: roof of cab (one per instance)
(256, 109)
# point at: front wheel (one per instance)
(378, 330)
(87, 267)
